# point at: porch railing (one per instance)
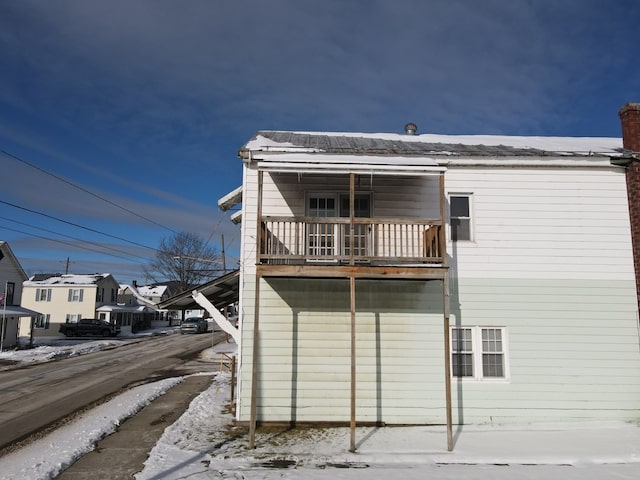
(376, 241)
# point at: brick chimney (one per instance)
(630, 119)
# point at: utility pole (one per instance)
(66, 268)
(224, 262)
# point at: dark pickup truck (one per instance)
(89, 326)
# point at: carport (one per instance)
(221, 292)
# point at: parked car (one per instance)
(89, 326)
(194, 325)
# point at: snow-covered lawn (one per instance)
(205, 444)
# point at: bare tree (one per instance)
(185, 259)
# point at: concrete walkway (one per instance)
(122, 454)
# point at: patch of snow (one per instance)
(564, 145)
(47, 457)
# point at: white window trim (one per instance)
(472, 216)
(476, 339)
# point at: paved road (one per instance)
(36, 396)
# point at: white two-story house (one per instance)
(435, 279)
(67, 298)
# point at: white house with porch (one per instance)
(434, 279)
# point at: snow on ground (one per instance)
(53, 348)
(47, 457)
(204, 443)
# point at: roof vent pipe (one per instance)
(410, 128)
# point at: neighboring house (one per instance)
(68, 298)
(137, 307)
(435, 279)
(11, 277)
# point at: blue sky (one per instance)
(145, 104)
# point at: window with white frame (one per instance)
(460, 215)
(479, 353)
(73, 317)
(43, 294)
(42, 321)
(75, 294)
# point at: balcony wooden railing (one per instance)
(298, 240)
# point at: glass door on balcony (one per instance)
(321, 236)
(362, 209)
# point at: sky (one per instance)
(120, 121)
(204, 443)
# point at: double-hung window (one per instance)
(460, 215)
(43, 294)
(479, 353)
(73, 317)
(75, 294)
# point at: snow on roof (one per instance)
(68, 279)
(141, 297)
(430, 144)
(153, 290)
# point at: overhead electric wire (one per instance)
(67, 243)
(86, 191)
(76, 225)
(74, 238)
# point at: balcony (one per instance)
(313, 244)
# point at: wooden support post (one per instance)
(447, 362)
(259, 237)
(352, 296)
(233, 385)
(445, 308)
(256, 322)
(352, 209)
(254, 368)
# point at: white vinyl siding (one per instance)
(305, 348)
(544, 223)
(550, 263)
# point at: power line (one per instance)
(73, 238)
(68, 243)
(78, 226)
(85, 190)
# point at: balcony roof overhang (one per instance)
(231, 199)
(342, 164)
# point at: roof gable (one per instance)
(6, 255)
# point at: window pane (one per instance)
(491, 340)
(460, 229)
(462, 365)
(492, 365)
(459, 206)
